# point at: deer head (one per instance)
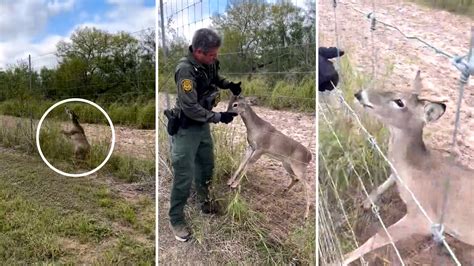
(237, 104)
(401, 110)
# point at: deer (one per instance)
(425, 171)
(77, 135)
(263, 138)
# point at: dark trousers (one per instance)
(192, 157)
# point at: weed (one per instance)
(346, 153)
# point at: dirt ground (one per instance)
(442, 29)
(268, 178)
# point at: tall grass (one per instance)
(59, 151)
(297, 95)
(356, 151)
(464, 7)
(140, 115)
(284, 94)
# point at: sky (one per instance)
(189, 15)
(36, 26)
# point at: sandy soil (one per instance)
(444, 30)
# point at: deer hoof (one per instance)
(230, 182)
(234, 184)
(366, 204)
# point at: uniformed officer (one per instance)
(197, 81)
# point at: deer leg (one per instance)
(308, 201)
(243, 164)
(294, 178)
(375, 194)
(253, 158)
(297, 172)
(404, 228)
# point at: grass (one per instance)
(356, 150)
(53, 219)
(294, 95)
(139, 115)
(58, 150)
(455, 6)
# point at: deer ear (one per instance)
(433, 111)
(417, 83)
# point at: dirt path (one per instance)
(402, 58)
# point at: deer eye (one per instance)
(399, 103)
(234, 105)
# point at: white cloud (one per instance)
(21, 21)
(57, 6)
(42, 53)
(125, 16)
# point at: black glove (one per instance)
(227, 117)
(327, 73)
(330, 52)
(235, 88)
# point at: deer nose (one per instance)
(358, 95)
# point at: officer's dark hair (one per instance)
(206, 39)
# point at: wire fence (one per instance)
(294, 61)
(463, 63)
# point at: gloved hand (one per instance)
(327, 73)
(227, 117)
(235, 88)
(330, 52)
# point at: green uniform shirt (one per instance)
(197, 88)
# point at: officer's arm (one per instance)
(222, 82)
(188, 99)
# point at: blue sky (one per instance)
(35, 26)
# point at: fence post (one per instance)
(29, 70)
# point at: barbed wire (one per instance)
(53, 53)
(359, 178)
(464, 67)
(375, 146)
(371, 16)
(341, 205)
(333, 246)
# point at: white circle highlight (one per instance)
(38, 135)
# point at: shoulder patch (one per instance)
(187, 85)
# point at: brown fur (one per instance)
(78, 136)
(263, 138)
(425, 171)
